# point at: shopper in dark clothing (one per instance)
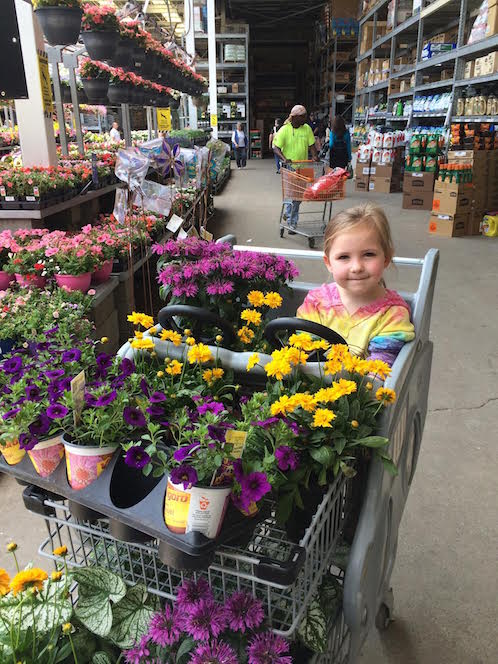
(339, 144)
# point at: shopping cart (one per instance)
(297, 179)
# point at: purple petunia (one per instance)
(191, 592)
(214, 407)
(139, 651)
(244, 612)
(127, 367)
(144, 387)
(72, 355)
(40, 426)
(206, 620)
(13, 365)
(268, 648)
(214, 652)
(184, 474)
(56, 411)
(134, 417)
(11, 413)
(103, 362)
(293, 426)
(155, 411)
(136, 457)
(52, 374)
(164, 627)
(269, 422)
(254, 486)
(219, 431)
(90, 399)
(157, 397)
(106, 399)
(183, 452)
(238, 471)
(32, 392)
(286, 457)
(63, 384)
(27, 441)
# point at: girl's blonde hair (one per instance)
(347, 220)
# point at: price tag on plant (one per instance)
(36, 192)
(182, 234)
(78, 393)
(174, 223)
(238, 440)
(2, 191)
(206, 235)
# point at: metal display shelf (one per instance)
(433, 17)
(474, 118)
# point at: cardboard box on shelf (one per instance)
(235, 88)
(394, 85)
(382, 185)
(442, 226)
(417, 200)
(491, 63)
(386, 170)
(452, 199)
(474, 222)
(361, 183)
(476, 158)
(480, 66)
(492, 28)
(469, 69)
(418, 182)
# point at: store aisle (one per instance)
(444, 587)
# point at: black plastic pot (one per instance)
(123, 57)
(61, 25)
(119, 93)
(125, 533)
(100, 44)
(174, 103)
(83, 513)
(301, 519)
(95, 89)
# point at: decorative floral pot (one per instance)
(95, 89)
(61, 25)
(47, 455)
(103, 273)
(100, 44)
(199, 509)
(5, 280)
(79, 282)
(31, 280)
(12, 452)
(85, 464)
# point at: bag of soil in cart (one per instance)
(326, 184)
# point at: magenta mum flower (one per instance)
(191, 592)
(215, 652)
(184, 474)
(254, 486)
(268, 648)
(164, 629)
(206, 620)
(286, 458)
(244, 612)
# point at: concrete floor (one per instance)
(445, 581)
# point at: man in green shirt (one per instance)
(291, 143)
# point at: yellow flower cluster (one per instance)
(252, 361)
(199, 353)
(245, 334)
(174, 368)
(323, 417)
(311, 402)
(141, 319)
(258, 299)
(171, 335)
(386, 395)
(29, 578)
(212, 375)
(143, 344)
(251, 316)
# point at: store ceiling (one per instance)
(268, 13)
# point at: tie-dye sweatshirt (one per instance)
(377, 330)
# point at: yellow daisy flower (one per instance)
(4, 582)
(278, 369)
(256, 298)
(323, 417)
(331, 367)
(252, 361)
(218, 373)
(56, 576)
(273, 300)
(174, 368)
(305, 401)
(302, 340)
(321, 344)
(138, 334)
(171, 335)
(386, 395)
(338, 352)
(283, 406)
(345, 386)
(142, 344)
(251, 316)
(60, 551)
(199, 353)
(211, 375)
(29, 578)
(190, 341)
(379, 368)
(11, 546)
(296, 356)
(245, 334)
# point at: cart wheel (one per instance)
(281, 232)
(311, 242)
(383, 619)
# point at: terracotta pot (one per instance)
(12, 452)
(5, 279)
(31, 280)
(103, 273)
(47, 455)
(84, 464)
(79, 282)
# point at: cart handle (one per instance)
(201, 316)
(302, 325)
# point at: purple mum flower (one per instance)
(27, 441)
(11, 413)
(244, 612)
(164, 629)
(191, 592)
(268, 648)
(184, 474)
(254, 486)
(73, 355)
(52, 374)
(57, 411)
(40, 426)
(206, 620)
(134, 417)
(138, 652)
(286, 458)
(157, 397)
(215, 652)
(183, 452)
(136, 457)
(13, 365)
(106, 399)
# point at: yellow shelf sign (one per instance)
(46, 88)
(214, 120)
(164, 119)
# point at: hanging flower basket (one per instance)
(124, 53)
(119, 93)
(95, 89)
(99, 44)
(47, 455)
(61, 25)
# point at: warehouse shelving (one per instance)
(433, 18)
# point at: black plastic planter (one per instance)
(95, 89)
(61, 25)
(123, 57)
(119, 93)
(100, 44)
(83, 513)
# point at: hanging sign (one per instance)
(46, 88)
(164, 119)
(214, 120)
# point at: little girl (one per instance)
(373, 320)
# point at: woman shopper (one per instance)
(239, 144)
(276, 127)
(339, 144)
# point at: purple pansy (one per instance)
(183, 474)
(137, 457)
(134, 417)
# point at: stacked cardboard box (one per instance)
(362, 175)
(492, 28)
(418, 190)
(484, 188)
(451, 208)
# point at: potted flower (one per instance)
(95, 79)
(5, 244)
(29, 265)
(120, 85)
(60, 20)
(100, 31)
(74, 262)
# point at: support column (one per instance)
(36, 131)
(190, 47)
(213, 93)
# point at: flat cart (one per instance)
(297, 179)
(283, 574)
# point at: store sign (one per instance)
(46, 88)
(164, 119)
(214, 120)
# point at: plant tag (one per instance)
(174, 223)
(30, 198)
(192, 232)
(206, 235)
(182, 235)
(238, 440)
(9, 198)
(2, 191)
(78, 393)
(36, 191)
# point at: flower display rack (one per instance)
(219, 184)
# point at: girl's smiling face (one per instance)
(357, 261)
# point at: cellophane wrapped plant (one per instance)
(201, 630)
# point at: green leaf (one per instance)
(84, 643)
(313, 629)
(284, 507)
(340, 444)
(347, 470)
(100, 580)
(343, 407)
(186, 646)
(101, 658)
(355, 409)
(97, 588)
(372, 441)
(49, 610)
(131, 616)
(322, 477)
(324, 455)
(330, 595)
(389, 465)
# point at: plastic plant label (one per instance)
(174, 223)
(31, 198)
(238, 440)
(206, 235)
(182, 234)
(207, 509)
(9, 198)
(176, 507)
(2, 191)
(36, 191)
(120, 205)
(192, 232)
(78, 394)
